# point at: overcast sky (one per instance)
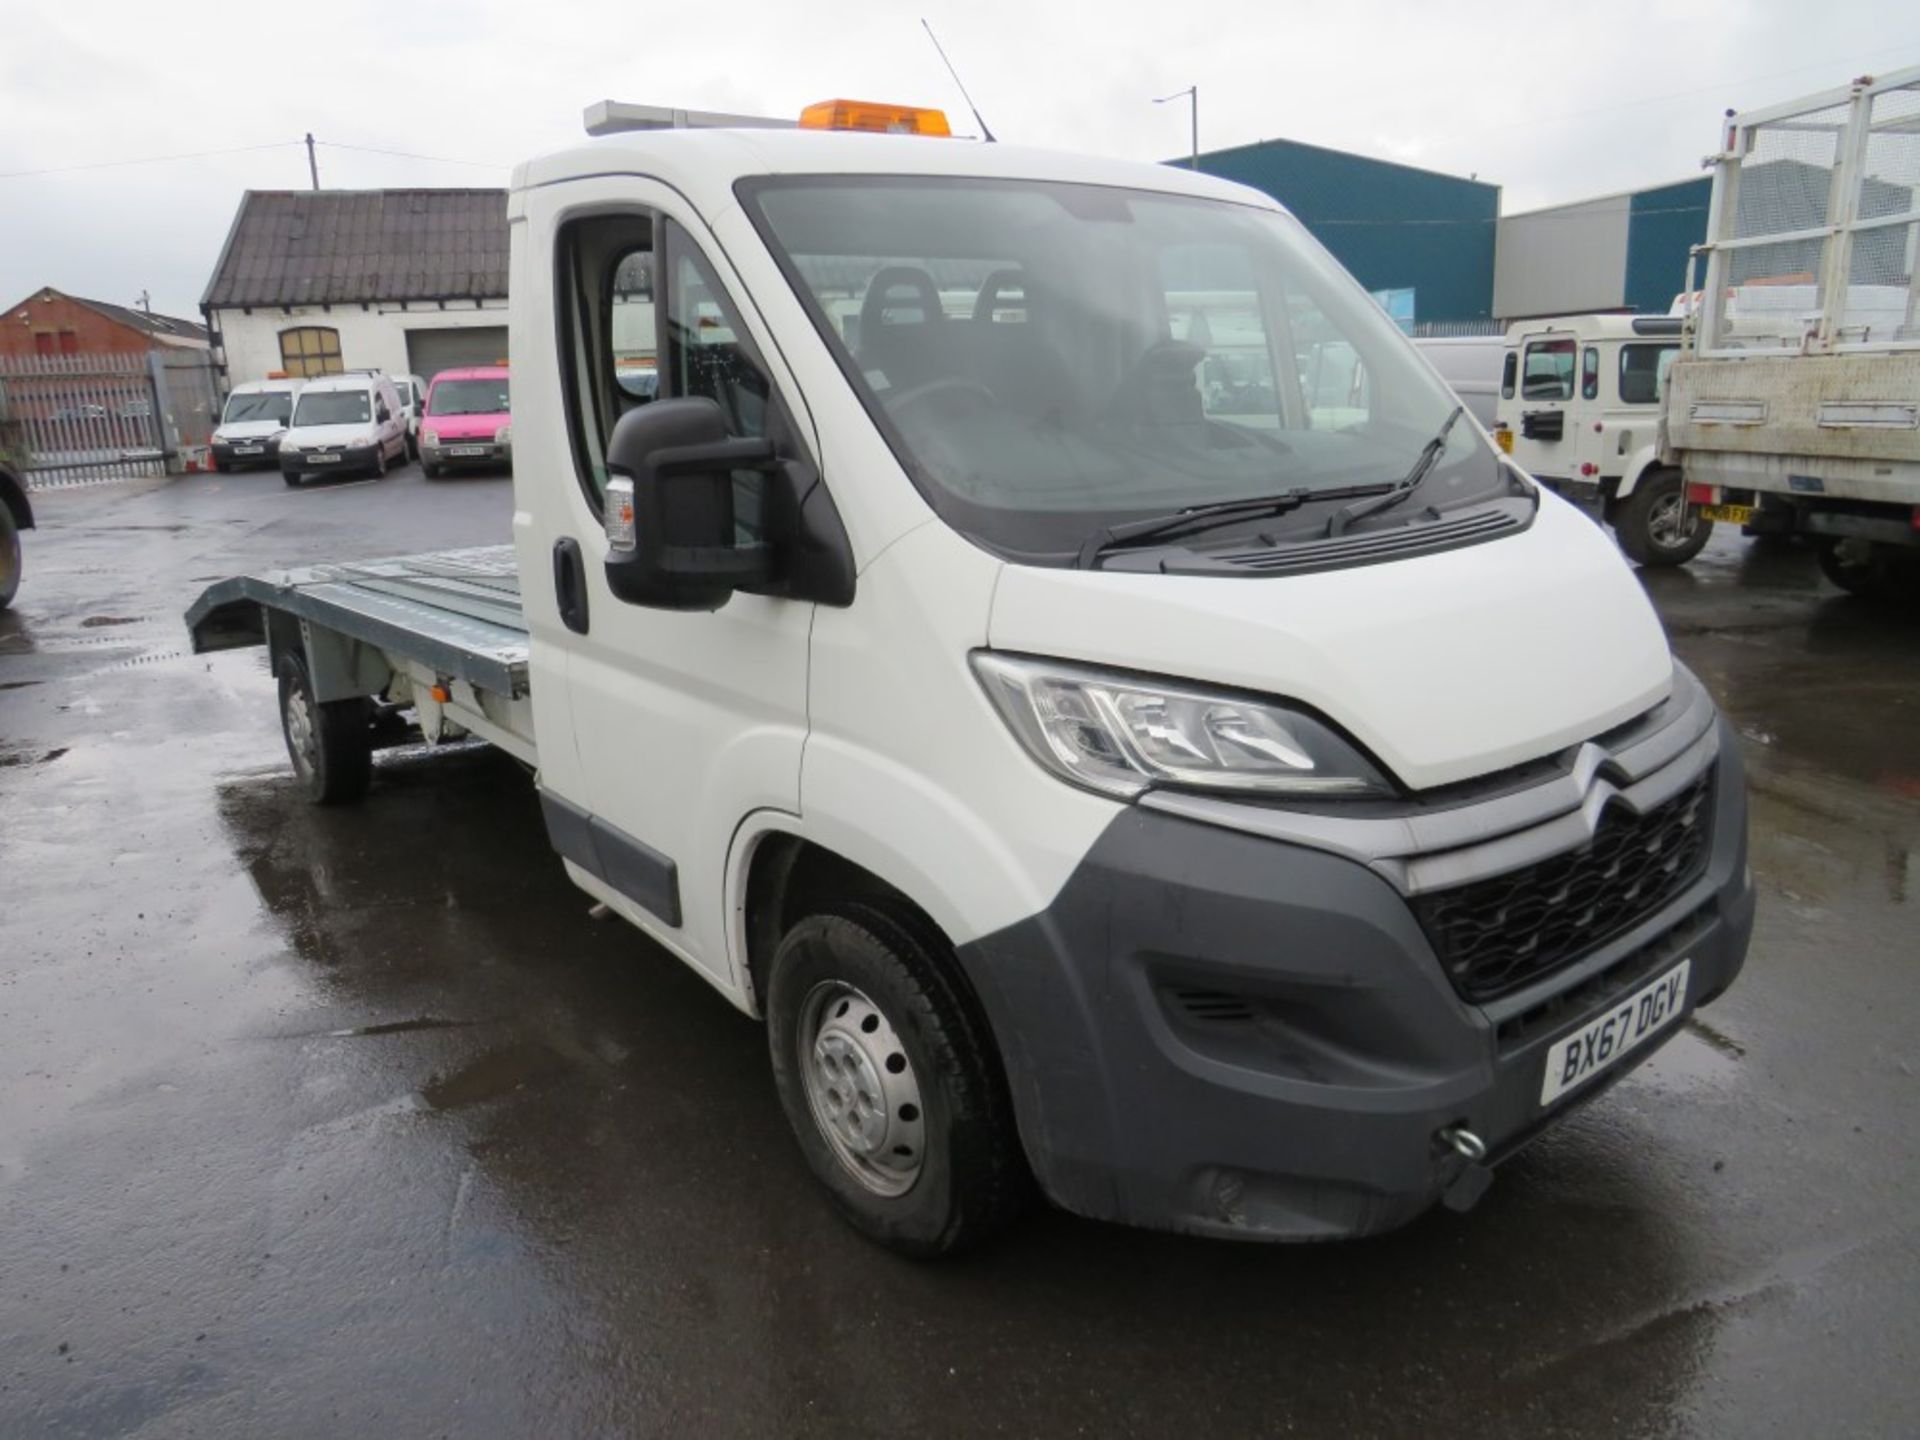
(1552, 101)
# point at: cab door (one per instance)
(682, 722)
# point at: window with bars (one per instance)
(310, 350)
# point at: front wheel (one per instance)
(9, 556)
(331, 743)
(891, 1082)
(1656, 525)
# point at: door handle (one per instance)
(570, 583)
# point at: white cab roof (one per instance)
(704, 164)
(1600, 327)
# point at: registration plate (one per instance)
(323, 459)
(1599, 1044)
(249, 450)
(468, 450)
(1728, 514)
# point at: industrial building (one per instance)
(1442, 238)
(315, 282)
(1616, 252)
(1396, 227)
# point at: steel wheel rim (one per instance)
(300, 728)
(861, 1088)
(9, 558)
(1671, 522)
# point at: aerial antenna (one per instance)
(984, 131)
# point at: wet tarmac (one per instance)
(355, 1122)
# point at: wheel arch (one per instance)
(777, 872)
(1640, 464)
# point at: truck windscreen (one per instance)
(1046, 358)
(467, 397)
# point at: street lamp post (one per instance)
(1192, 95)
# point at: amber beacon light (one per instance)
(881, 119)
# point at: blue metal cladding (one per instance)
(1662, 225)
(1394, 227)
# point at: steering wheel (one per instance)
(926, 390)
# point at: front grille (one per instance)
(1495, 935)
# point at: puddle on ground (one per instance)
(494, 1074)
(23, 758)
(400, 1027)
(1699, 1057)
(95, 622)
(19, 684)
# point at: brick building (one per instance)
(50, 322)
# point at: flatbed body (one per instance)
(447, 623)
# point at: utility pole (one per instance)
(1192, 95)
(313, 166)
(146, 302)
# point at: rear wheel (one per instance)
(330, 744)
(1656, 525)
(9, 556)
(891, 1081)
(380, 460)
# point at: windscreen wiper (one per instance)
(1386, 499)
(1196, 518)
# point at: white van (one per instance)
(1127, 732)
(1470, 364)
(1579, 410)
(413, 399)
(252, 421)
(344, 422)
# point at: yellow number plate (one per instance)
(1728, 514)
(1504, 439)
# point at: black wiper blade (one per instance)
(1386, 499)
(1196, 518)
(1181, 522)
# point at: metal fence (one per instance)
(81, 419)
(1815, 224)
(1456, 329)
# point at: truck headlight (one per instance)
(429, 437)
(504, 435)
(1122, 734)
(288, 447)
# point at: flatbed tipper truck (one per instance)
(1190, 803)
(1795, 407)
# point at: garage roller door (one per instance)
(431, 351)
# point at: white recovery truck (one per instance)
(1795, 408)
(1193, 802)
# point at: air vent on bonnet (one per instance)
(1373, 546)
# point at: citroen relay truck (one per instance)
(1187, 799)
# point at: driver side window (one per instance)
(643, 316)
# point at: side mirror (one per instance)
(678, 490)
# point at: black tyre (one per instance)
(379, 461)
(1655, 524)
(430, 470)
(292, 477)
(891, 1081)
(221, 467)
(331, 744)
(9, 557)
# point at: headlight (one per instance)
(288, 447)
(1121, 735)
(504, 435)
(429, 437)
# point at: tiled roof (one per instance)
(312, 247)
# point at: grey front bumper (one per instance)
(1228, 1033)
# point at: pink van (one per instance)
(465, 421)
